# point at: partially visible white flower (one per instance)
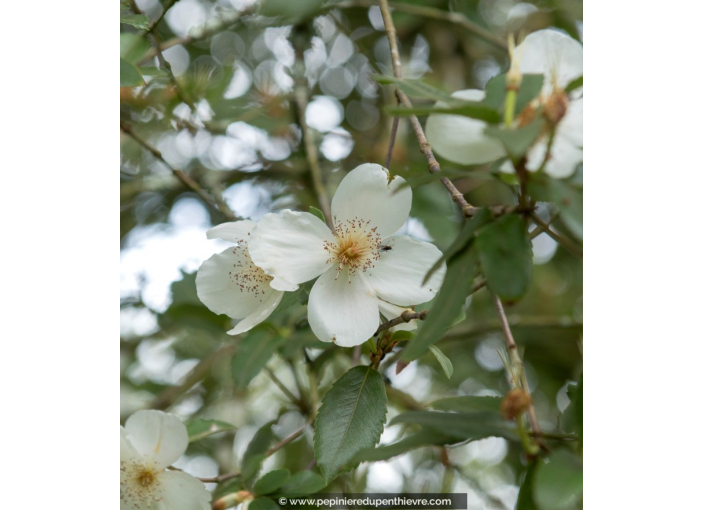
(559, 59)
(230, 283)
(151, 441)
(363, 268)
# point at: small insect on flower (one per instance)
(386, 247)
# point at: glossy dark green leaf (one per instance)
(256, 452)
(317, 212)
(525, 494)
(574, 84)
(424, 437)
(468, 404)
(200, 428)
(517, 141)
(129, 75)
(506, 256)
(558, 481)
(263, 504)
(304, 482)
(444, 361)
(139, 21)
(253, 352)
(350, 419)
(460, 425)
(447, 305)
(271, 481)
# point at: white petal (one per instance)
(390, 312)
(128, 453)
(343, 310)
(181, 491)
(235, 232)
(158, 436)
(571, 125)
(292, 247)
(366, 194)
(461, 139)
(397, 276)
(260, 314)
(553, 54)
(229, 283)
(564, 157)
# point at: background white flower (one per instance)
(149, 442)
(230, 283)
(558, 58)
(362, 267)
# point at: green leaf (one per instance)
(317, 212)
(473, 109)
(350, 419)
(263, 504)
(424, 437)
(418, 89)
(525, 494)
(139, 21)
(200, 428)
(305, 482)
(574, 84)
(468, 404)
(531, 85)
(129, 75)
(400, 336)
(271, 481)
(444, 361)
(565, 196)
(133, 47)
(517, 141)
(256, 452)
(459, 425)
(252, 354)
(558, 481)
(506, 256)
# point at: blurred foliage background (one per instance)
(221, 108)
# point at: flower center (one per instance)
(146, 477)
(248, 277)
(356, 246)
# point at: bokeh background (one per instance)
(230, 122)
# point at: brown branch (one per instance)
(217, 204)
(406, 316)
(570, 245)
(433, 165)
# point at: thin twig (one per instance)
(433, 165)
(168, 5)
(294, 400)
(568, 243)
(218, 205)
(392, 139)
(221, 478)
(406, 316)
(512, 349)
(431, 12)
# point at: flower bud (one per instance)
(556, 106)
(514, 403)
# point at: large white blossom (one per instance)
(230, 283)
(151, 441)
(558, 58)
(362, 269)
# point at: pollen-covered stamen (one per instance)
(146, 478)
(356, 246)
(246, 275)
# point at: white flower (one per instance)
(363, 268)
(149, 442)
(559, 59)
(229, 283)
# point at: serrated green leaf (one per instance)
(444, 361)
(200, 428)
(574, 84)
(506, 256)
(525, 494)
(318, 213)
(350, 419)
(256, 452)
(463, 426)
(129, 75)
(304, 482)
(263, 504)
(468, 404)
(133, 47)
(271, 481)
(424, 437)
(558, 481)
(517, 141)
(252, 354)
(138, 21)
